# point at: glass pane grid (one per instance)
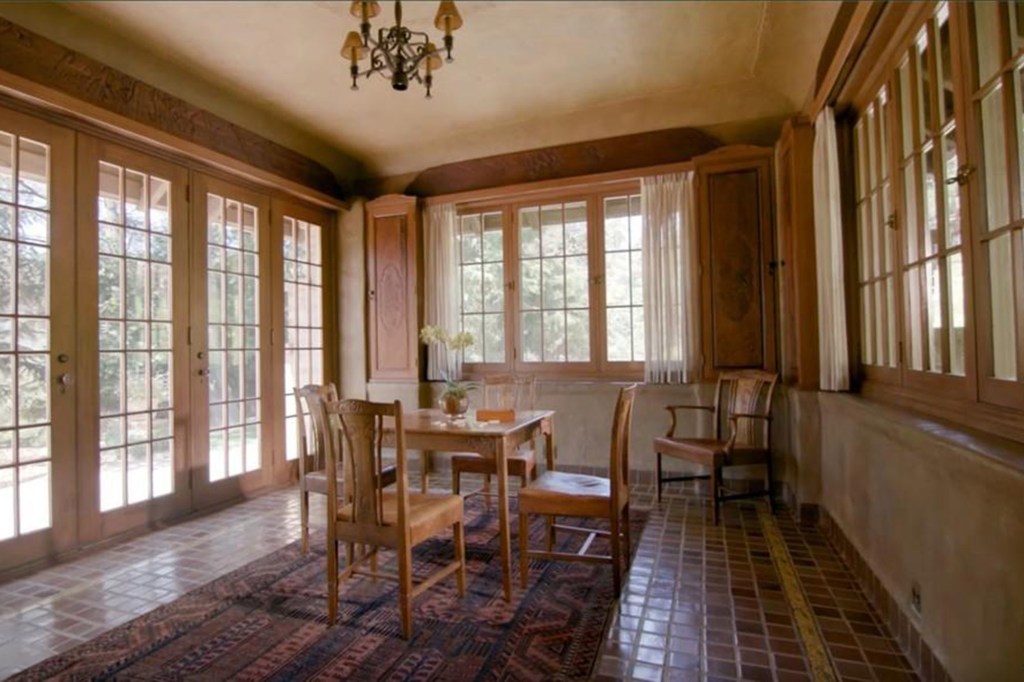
(874, 213)
(623, 264)
(303, 316)
(136, 367)
(233, 334)
(482, 285)
(554, 283)
(25, 393)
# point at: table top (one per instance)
(434, 421)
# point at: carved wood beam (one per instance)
(564, 161)
(32, 57)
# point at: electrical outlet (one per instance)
(915, 598)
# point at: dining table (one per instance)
(429, 430)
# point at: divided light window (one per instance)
(934, 141)
(576, 300)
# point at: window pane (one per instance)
(935, 312)
(914, 304)
(945, 64)
(906, 117)
(1004, 341)
(952, 190)
(925, 91)
(986, 26)
(482, 284)
(994, 163)
(955, 275)
(930, 194)
(910, 212)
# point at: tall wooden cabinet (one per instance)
(737, 253)
(392, 236)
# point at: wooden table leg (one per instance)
(548, 428)
(504, 531)
(425, 458)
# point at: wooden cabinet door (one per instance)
(391, 242)
(738, 278)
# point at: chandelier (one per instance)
(398, 52)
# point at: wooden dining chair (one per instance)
(743, 405)
(557, 493)
(501, 392)
(311, 450)
(395, 519)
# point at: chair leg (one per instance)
(768, 484)
(424, 470)
(524, 547)
(456, 480)
(332, 581)
(716, 475)
(405, 590)
(533, 473)
(550, 522)
(487, 489)
(304, 519)
(460, 556)
(616, 538)
(626, 536)
(659, 478)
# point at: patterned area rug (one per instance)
(268, 621)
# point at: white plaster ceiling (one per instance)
(526, 74)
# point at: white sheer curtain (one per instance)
(441, 303)
(828, 238)
(671, 279)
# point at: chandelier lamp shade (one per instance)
(398, 52)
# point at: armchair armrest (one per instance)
(672, 412)
(733, 416)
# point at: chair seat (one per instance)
(429, 513)
(701, 450)
(564, 494)
(316, 481)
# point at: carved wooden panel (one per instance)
(565, 161)
(737, 247)
(391, 288)
(38, 59)
(735, 269)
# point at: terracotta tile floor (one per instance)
(701, 603)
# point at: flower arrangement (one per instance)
(455, 396)
(453, 344)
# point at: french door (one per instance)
(132, 286)
(38, 361)
(153, 321)
(232, 378)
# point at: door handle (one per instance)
(64, 380)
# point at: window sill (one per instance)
(995, 433)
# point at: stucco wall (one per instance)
(922, 508)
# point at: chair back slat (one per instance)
(509, 392)
(309, 435)
(362, 425)
(622, 423)
(748, 392)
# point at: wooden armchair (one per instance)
(743, 401)
(371, 516)
(309, 399)
(562, 494)
(501, 392)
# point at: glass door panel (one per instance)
(135, 322)
(36, 324)
(230, 338)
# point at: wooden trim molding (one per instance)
(652, 148)
(28, 57)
